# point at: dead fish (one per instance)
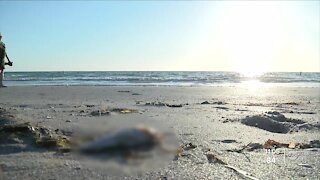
(124, 140)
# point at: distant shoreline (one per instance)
(169, 86)
(9, 71)
(161, 78)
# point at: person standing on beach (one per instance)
(3, 55)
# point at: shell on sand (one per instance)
(126, 139)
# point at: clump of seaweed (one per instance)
(107, 111)
(35, 136)
(160, 104)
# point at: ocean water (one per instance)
(170, 78)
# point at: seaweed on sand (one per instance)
(33, 136)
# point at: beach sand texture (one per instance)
(231, 123)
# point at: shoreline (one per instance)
(165, 78)
(244, 84)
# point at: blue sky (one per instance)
(177, 35)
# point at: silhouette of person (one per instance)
(3, 55)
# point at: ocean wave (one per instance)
(154, 78)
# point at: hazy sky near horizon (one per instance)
(248, 36)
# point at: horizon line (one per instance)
(157, 71)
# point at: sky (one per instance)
(244, 36)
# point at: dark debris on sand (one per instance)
(272, 144)
(24, 136)
(277, 123)
(32, 137)
(103, 112)
(161, 104)
(215, 102)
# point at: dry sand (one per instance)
(212, 118)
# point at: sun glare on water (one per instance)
(250, 73)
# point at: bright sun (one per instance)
(252, 33)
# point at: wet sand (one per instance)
(226, 120)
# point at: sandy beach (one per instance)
(231, 123)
